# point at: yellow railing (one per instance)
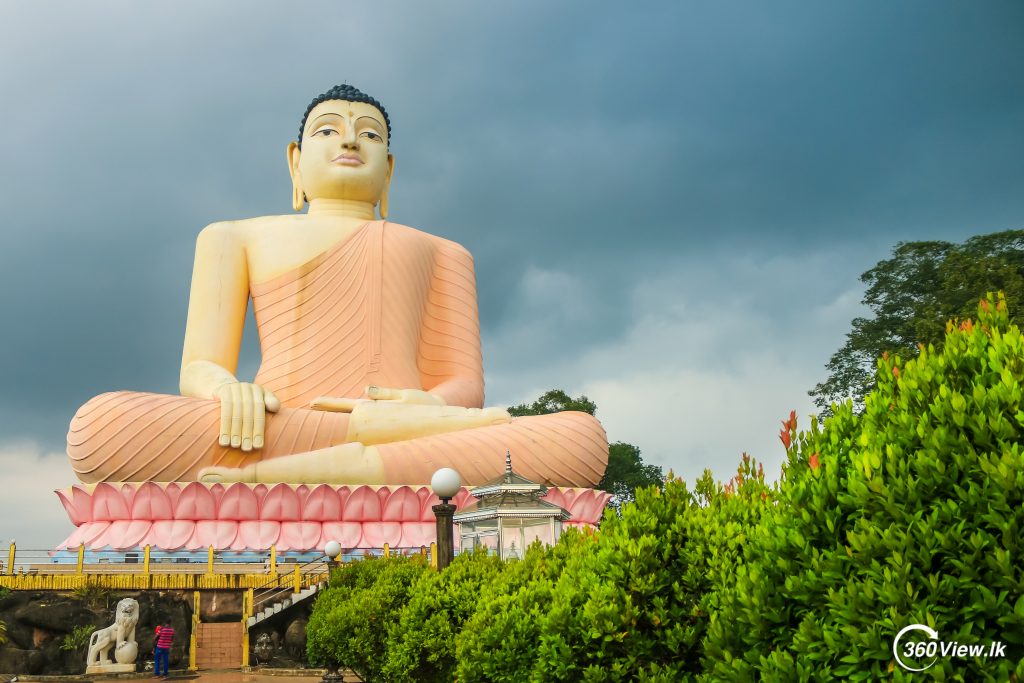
(35, 570)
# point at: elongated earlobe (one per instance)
(387, 186)
(298, 195)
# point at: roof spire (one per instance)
(508, 462)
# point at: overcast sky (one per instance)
(669, 203)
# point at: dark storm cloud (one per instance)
(599, 142)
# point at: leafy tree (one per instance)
(908, 513)
(626, 469)
(627, 472)
(421, 645)
(628, 603)
(350, 620)
(555, 401)
(498, 644)
(912, 295)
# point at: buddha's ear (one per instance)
(387, 184)
(298, 194)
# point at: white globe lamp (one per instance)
(332, 549)
(446, 482)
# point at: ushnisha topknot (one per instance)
(346, 93)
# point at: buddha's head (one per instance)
(342, 150)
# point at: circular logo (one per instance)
(916, 650)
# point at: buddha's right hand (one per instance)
(243, 409)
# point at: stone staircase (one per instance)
(278, 600)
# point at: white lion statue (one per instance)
(121, 632)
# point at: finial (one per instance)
(508, 462)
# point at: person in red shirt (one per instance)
(163, 648)
(155, 638)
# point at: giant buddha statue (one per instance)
(371, 366)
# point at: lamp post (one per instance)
(332, 550)
(446, 482)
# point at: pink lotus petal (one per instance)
(77, 514)
(556, 496)
(75, 539)
(363, 505)
(416, 534)
(196, 501)
(462, 498)
(92, 531)
(170, 534)
(220, 533)
(240, 503)
(376, 534)
(173, 491)
(348, 534)
(588, 506)
(256, 535)
(123, 534)
(281, 503)
(151, 502)
(401, 506)
(323, 504)
(299, 536)
(108, 504)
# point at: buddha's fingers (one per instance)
(334, 404)
(271, 401)
(224, 394)
(264, 401)
(249, 408)
(383, 393)
(410, 396)
(236, 414)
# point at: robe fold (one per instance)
(388, 305)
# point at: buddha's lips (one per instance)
(348, 160)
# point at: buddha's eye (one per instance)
(325, 132)
(373, 136)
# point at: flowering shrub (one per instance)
(910, 513)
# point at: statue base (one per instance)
(192, 516)
(110, 668)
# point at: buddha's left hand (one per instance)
(382, 394)
(414, 396)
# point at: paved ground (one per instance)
(225, 677)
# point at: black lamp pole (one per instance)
(445, 513)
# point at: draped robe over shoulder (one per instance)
(388, 305)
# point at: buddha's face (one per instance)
(344, 153)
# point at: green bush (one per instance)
(636, 607)
(629, 603)
(3, 633)
(350, 620)
(421, 645)
(78, 638)
(498, 644)
(909, 513)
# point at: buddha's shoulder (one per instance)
(435, 243)
(244, 228)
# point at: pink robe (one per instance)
(388, 305)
